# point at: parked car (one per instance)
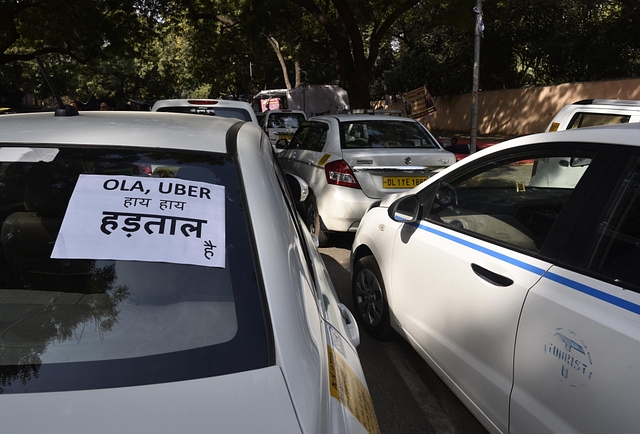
(350, 161)
(210, 107)
(594, 112)
(155, 277)
(515, 275)
(281, 124)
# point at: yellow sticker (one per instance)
(324, 160)
(554, 126)
(347, 388)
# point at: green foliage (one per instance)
(151, 49)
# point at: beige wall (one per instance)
(521, 111)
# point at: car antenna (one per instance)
(61, 110)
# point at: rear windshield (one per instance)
(285, 120)
(581, 120)
(385, 134)
(124, 267)
(223, 112)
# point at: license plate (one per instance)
(402, 181)
(285, 136)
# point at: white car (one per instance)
(211, 107)
(515, 274)
(350, 161)
(156, 278)
(595, 112)
(281, 124)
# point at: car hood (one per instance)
(252, 401)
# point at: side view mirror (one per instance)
(282, 144)
(298, 187)
(406, 209)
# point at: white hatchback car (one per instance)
(350, 161)
(211, 107)
(515, 274)
(142, 288)
(281, 124)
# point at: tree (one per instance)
(356, 31)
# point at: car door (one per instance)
(461, 275)
(578, 348)
(303, 156)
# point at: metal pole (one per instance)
(476, 79)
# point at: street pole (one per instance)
(476, 78)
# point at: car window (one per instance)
(615, 249)
(310, 136)
(515, 201)
(581, 120)
(223, 112)
(384, 134)
(148, 296)
(285, 120)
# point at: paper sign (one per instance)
(144, 219)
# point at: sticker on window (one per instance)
(144, 219)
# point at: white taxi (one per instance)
(350, 161)
(515, 274)
(210, 107)
(156, 278)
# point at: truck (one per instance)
(312, 99)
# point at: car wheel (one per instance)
(313, 220)
(370, 298)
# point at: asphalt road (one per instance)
(407, 395)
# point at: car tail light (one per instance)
(202, 101)
(339, 173)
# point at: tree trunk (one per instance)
(285, 73)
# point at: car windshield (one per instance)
(124, 267)
(223, 112)
(285, 120)
(385, 134)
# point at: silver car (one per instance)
(351, 161)
(156, 278)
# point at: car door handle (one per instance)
(490, 276)
(350, 324)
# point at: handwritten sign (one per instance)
(144, 219)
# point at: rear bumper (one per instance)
(342, 208)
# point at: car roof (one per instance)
(140, 129)
(613, 103)
(267, 112)
(362, 117)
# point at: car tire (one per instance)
(370, 298)
(313, 221)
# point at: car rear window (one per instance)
(385, 134)
(223, 112)
(124, 267)
(285, 120)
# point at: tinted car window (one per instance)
(72, 321)
(385, 134)
(223, 112)
(515, 201)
